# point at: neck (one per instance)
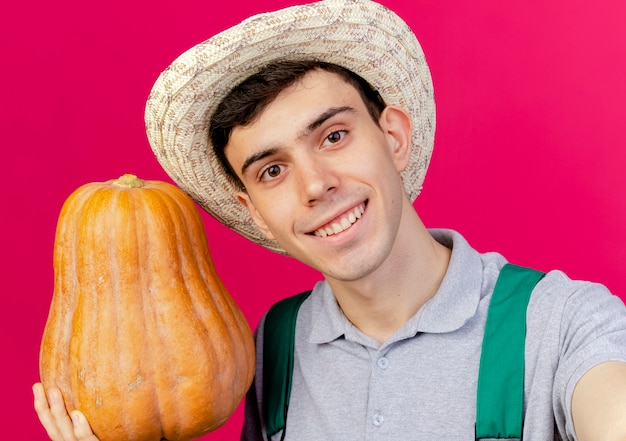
(382, 302)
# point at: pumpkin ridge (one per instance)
(108, 303)
(136, 349)
(237, 326)
(207, 270)
(76, 298)
(202, 262)
(192, 252)
(199, 271)
(171, 415)
(184, 269)
(81, 371)
(95, 280)
(155, 349)
(56, 368)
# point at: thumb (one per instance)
(82, 431)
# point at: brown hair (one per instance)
(248, 99)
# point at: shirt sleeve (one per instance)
(252, 429)
(593, 331)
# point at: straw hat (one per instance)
(359, 35)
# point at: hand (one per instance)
(60, 425)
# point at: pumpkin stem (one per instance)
(128, 181)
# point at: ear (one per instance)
(396, 124)
(244, 199)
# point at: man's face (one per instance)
(322, 178)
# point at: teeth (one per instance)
(343, 224)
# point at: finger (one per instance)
(40, 400)
(60, 416)
(42, 407)
(59, 425)
(81, 427)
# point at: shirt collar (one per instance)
(452, 306)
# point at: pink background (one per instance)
(529, 157)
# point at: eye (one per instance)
(335, 137)
(271, 172)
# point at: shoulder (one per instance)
(574, 301)
(573, 326)
(577, 313)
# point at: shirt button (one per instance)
(377, 420)
(383, 362)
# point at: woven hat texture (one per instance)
(360, 35)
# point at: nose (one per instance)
(317, 179)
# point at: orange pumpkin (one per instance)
(142, 336)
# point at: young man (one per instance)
(318, 152)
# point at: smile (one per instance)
(342, 223)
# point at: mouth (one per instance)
(341, 223)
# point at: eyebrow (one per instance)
(256, 157)
(312, 126)
(321, 119)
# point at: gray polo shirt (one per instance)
(421, 383)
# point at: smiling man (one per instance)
(309, 131)
(325, 184)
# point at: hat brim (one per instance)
(360, 35)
